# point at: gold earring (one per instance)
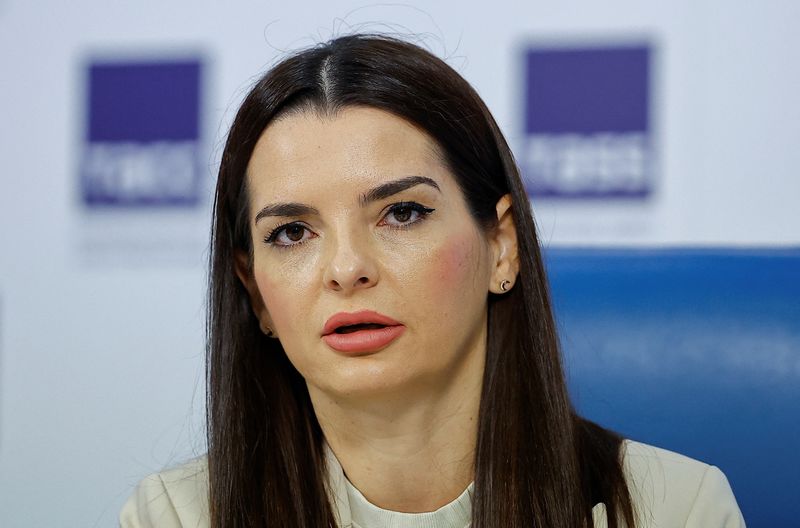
(505, 285)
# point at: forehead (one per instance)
(357, 145)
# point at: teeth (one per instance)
(356, 327)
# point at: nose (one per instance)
(351, 265)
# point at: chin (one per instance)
(364, 383)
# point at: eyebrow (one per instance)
(286, 209)
(393, 187)
(380, 192)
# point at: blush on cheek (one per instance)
(456, 265)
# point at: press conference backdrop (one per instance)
(657, 141)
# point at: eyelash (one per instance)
(421, 210)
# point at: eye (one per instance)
(404, 214)
(289, 235)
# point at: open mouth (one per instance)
(361, 332)
(349, 329)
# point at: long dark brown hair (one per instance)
(537, 463)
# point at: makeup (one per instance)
(359, 332)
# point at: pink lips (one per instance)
(364, 339)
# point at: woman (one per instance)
(381, 345)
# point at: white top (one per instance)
(668, 490)
(364, 514)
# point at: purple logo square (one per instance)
(587, 122)
(142, 142)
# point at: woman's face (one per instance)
(356, 212)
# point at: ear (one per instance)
(245, 274)
(503, 242)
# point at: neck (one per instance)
(411, 452)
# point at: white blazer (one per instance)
(668, 490)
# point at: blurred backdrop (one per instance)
(658, 141)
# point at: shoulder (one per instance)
(174, 498)
(669, 489)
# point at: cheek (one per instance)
(458, 267)
(280, 298)
(283, 279)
